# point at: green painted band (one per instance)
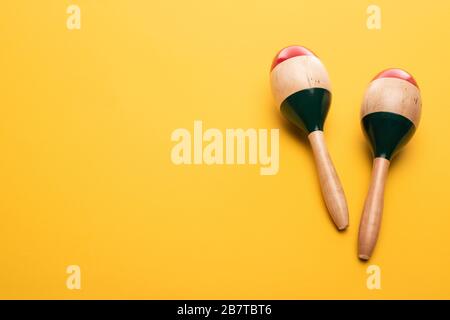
(387, 132)
(308, 108)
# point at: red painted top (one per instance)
(396, 73)
(290, 52)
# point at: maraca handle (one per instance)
(373, 209)
(330, 184)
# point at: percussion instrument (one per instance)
(301, 88)
(390, 113)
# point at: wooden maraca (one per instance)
(390, 114)
(301, 88)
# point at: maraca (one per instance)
(390, 114)
(301, 87)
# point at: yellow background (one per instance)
(85, 170)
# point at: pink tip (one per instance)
(396, 73)
(290, 52)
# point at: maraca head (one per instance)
(301, 87)
(390, 111)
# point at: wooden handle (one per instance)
(332, 191)
(373, 209)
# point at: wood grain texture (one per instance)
(393, 95)
(332, 191)
(373, 209)
(296, 74)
